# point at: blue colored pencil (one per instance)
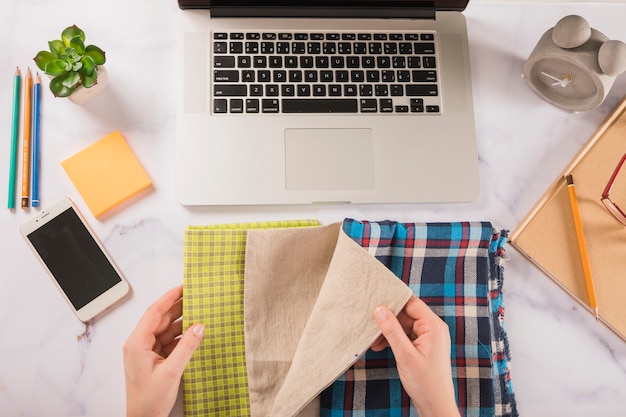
(35, 142)
(14, 139)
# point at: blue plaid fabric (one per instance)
(457, 269)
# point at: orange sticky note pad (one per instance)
(106, 173)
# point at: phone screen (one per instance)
(74, 258)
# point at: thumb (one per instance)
(186, 347)
(392, 330)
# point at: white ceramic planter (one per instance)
(81, 94)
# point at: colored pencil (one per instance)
(28, 91)
(582, 245)
(36, 146)
(14, 138)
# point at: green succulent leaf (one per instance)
(57, 48)
(55, 68)
(89, 80)
(59, 88)
(97, 54)
(71, 32)
(70, 80)
(77, 43)
(88, 65)
(42, 59)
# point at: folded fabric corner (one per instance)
(308, 303)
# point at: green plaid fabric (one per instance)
(215, 383)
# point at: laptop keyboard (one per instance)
(312, 73)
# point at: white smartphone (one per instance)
(77, 262)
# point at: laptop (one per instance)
(324, 101)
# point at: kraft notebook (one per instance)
(547, 236)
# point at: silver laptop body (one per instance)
(233, 148)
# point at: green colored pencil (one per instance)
(14, 139)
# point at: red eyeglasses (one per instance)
(610, 205)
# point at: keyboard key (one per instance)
(423, 48)
(304, 90)
(295, 76)
(271, 90)
(220, 105)
(264, 76)
(421, 90)
(226, 76)
(270, 105)
(319, 90)
(366, 90)
(252, 48)
(259, 62)
(369, 105)
(386, 105)
(283, 48)
(429, 62)
(236, 105)
(256, 90)
(291, 62)
(236, 47)
(353, 62)
(417, 105)
(252, 105)
(220, 47)
(298, 48)
(224, 62)
(375, 48)
(329, 48)
(248, 76)
(381, 90)
(310, 76)
(244, 61)
(424, 76)
(279, 76)
(349, 90)
(432, 109)
(322, 105)
(287, 90)
(334, 90)
(313, 48)
(405, 48)
(230, 90)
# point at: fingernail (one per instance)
(198, 330)
(380, 313)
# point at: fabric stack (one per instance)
(288, 309)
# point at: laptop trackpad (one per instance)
(329, 159)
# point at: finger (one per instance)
(153, 316)
(170, 316)
(379, 344)
(393, 332)
(172, 332)
(186, 346)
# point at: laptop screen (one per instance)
(325, 8)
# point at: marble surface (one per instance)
(564, 363)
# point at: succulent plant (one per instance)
(70, 63)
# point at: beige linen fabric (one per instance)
(309, 295)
